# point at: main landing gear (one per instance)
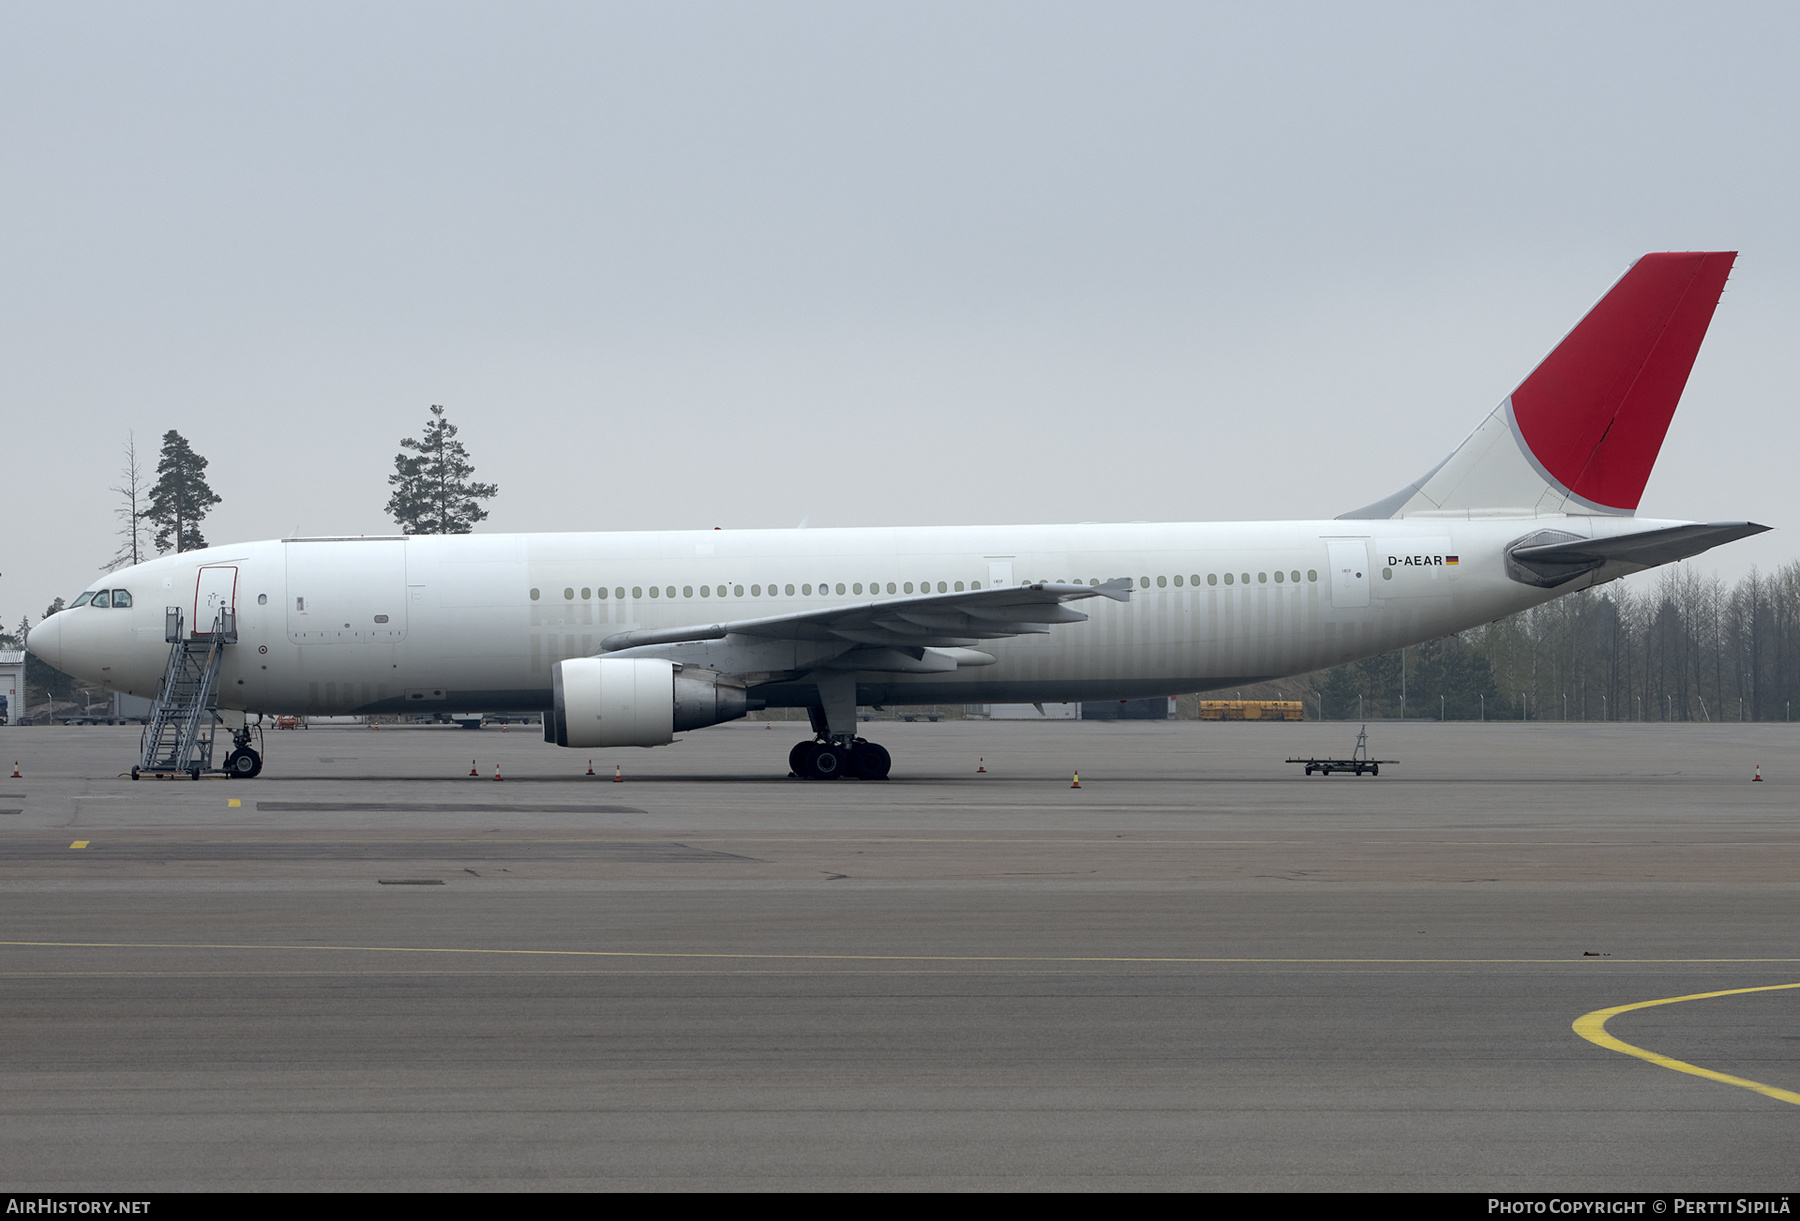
(818, 760)
(834, 749)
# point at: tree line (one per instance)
(1680, 647)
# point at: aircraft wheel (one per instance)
(797, 757)
(869, 761)
(243, 764)
(1376, 770)
(826, 762)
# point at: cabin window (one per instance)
(1212, 578)
(586, 593)
(1279, 576)
(1178, 580)
(790, 591)
(959, 587)
(1312, 574)
(1245, 577)
(1143, 582)
(737, 591)
(907, 587)
(568, 595)
(655, 592)
(1262, 578)
(840, 587)
(1294, 576)
(1162, 582)
(687, 591)
(943, 588)
(807, 590)
(670, 591)
(601, 593)
(706, 591)
(262, 599)
(534, 598)
(1228, 578)
(974, 584)
(1387, 574)
(637, 591)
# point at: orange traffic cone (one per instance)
(983, 766)
(472, 770)
(618, 774)
(502, 726)
(15, 774)
(1077, 783)
(1758, 775)
(497, 775)
(590, 767)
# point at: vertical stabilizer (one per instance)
(1582, 431)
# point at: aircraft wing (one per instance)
(924, 621)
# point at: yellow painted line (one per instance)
(80, 843)
(1592, 1027)
(234, 802)
(726, 955)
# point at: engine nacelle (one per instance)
(635, 701)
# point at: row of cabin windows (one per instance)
(104, 597)
(756, 591)
(1235, 578)
(588, 593)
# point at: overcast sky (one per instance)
(741, 264)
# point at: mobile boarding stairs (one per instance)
(178, 738)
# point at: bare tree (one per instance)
(132, 512)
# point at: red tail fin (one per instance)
(1594, 413)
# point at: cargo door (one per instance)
(346, 591)
(1349, 573)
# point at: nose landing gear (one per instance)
(242, 763)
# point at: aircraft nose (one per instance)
(45, 640)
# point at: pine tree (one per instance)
(432, 491)
(180, 499)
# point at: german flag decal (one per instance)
(1449, 559)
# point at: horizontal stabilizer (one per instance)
(1552, 563)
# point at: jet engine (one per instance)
(619, 701)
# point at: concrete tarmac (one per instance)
(1198, 970)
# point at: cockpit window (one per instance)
(100, 599)
(83, 600)
(121, 597)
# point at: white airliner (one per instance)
(626, 639)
